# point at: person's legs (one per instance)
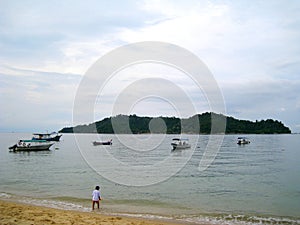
(93, 205)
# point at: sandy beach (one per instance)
(19, 213)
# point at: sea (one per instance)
(141, 176)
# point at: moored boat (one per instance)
(243, 140)
(31, 145)
(180, 143)
(54, 136)
(95, 143)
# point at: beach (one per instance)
(19, 213)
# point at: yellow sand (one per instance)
(18, 213)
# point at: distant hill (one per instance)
(173, 125)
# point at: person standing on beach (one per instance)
(96, 197)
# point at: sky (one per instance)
(46, 47)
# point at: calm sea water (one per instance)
(257, 183)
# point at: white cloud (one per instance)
(188, 28)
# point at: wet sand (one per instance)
(19, 213)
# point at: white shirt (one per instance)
(96, 195)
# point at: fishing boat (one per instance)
(180, 143)
(243, 140)
(54, 136)
(95, 143)
(31, 145)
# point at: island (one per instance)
(174, 125)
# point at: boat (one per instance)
(180, 143)
(95, 143)
(31, 145)
(243, 140)
(54, 136)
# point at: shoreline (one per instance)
(12, 212)
(15, 212)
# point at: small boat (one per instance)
(31, 145)
(242, 140)
(95, 143)
(47, 137)
(180, 143)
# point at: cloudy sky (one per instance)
(251, 48)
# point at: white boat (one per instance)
(242, 140)
(31, 145)
(47, 137)
(180, 143)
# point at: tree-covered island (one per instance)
(173, 125)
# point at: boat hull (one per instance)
(95, 143)
(31, 148)
(178, 147)
(243, 142)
